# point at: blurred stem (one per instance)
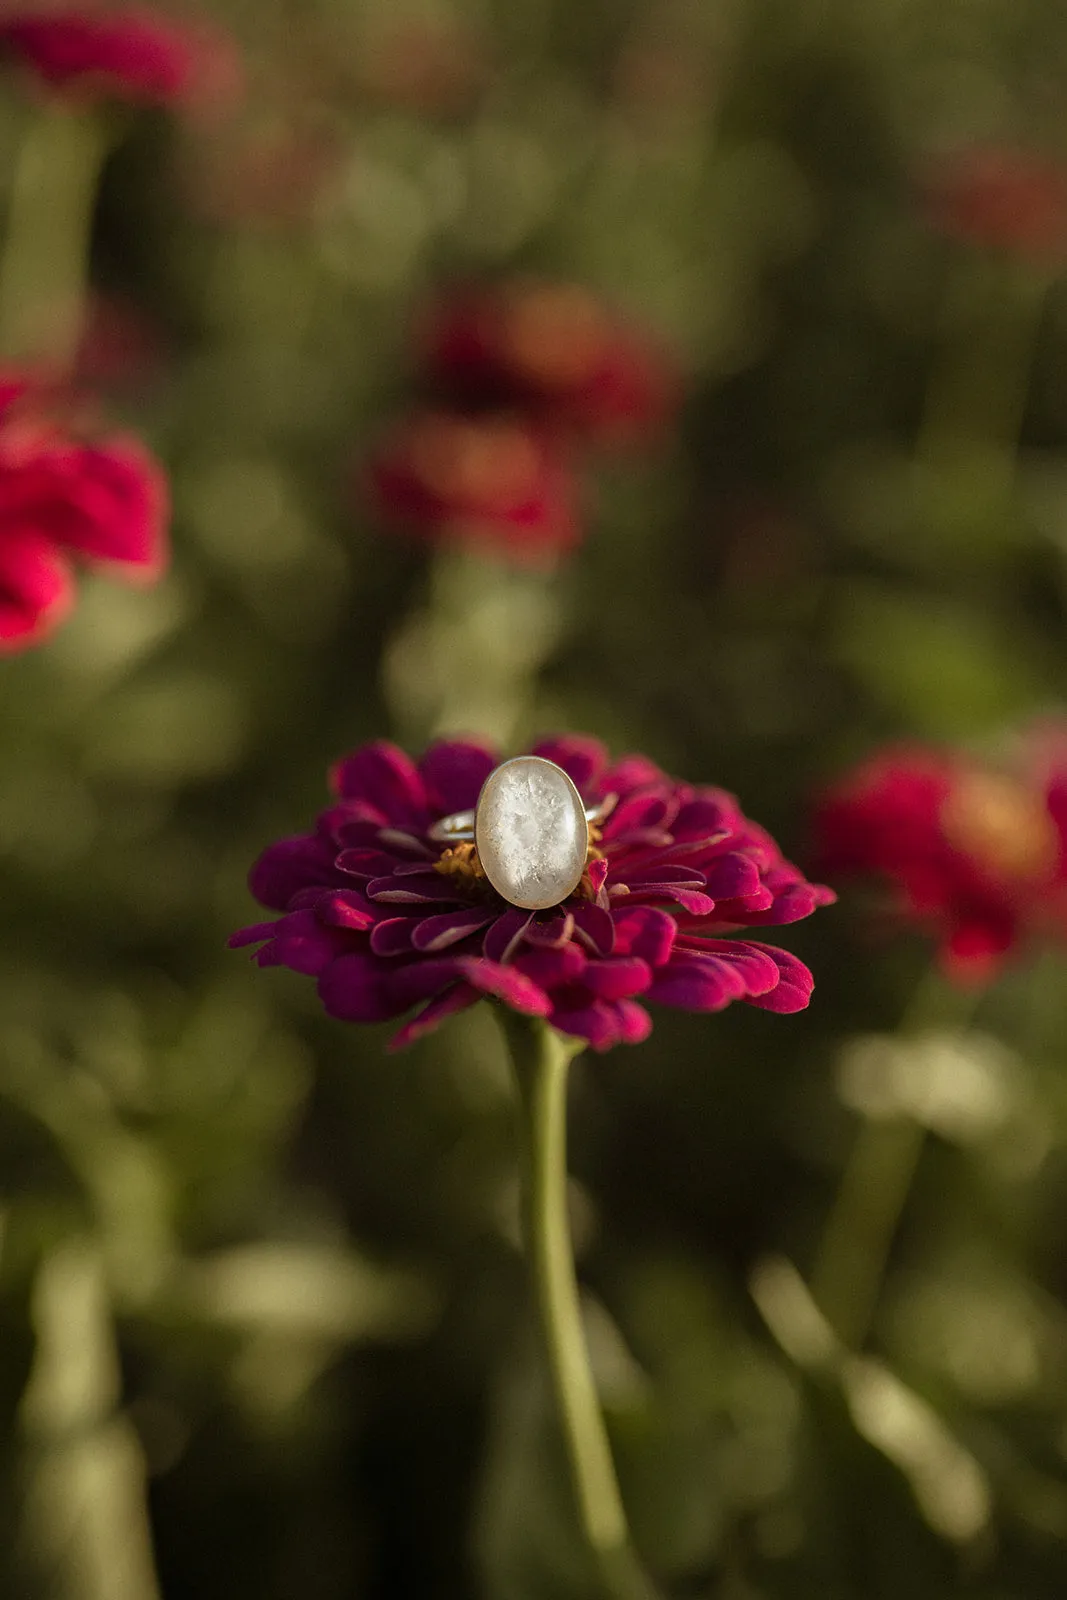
(44, 267)
(541, 1058)
(976, 398)
(469, 659)
(850, 1263)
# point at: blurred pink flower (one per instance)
(388, 920)
(133, 54)
(68, 494)
(491, 480)
(974, 855)
(1001, 199)
(555, 350)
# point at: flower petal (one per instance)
(645, 931)
(731, 876)
(694, 901)
(453, 771)
(556, 930)
(36, 589)
(424, 889)
(698, 982)
(344, 908)
(355, 988)
(392, 937)
(618, 978)
(597, 1022)
(458, 998)
(582, 759)
(634, 1022)
(292, 864)
(384, 776)
(108, 502)
(795, 983)
(255, 933)
(302, 943)
(438, 933)
(506, 934)
(595, 928)
(549, 968)
(422, 980)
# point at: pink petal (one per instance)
(694, 901)
(426, 889)
(582, 759)
(108, 502)
(255, 933)
(392, 937)
(645, 808)
(731, 876)
(617, 979)
(423, 980)
(36, 589)
(697, 983)
(438, 933)
(645, 931)
(550, 968)
(363, 862)
(354, 988)
(301, 943)
(557, 930)
(458, 998)
(793, 990)
(596, 1022)
(634, 1022)
(506, 934)
(301, 861)
(344, 908)
(453, 771)
(384, 776)
(595, 928)
(507, 984)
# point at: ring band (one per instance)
(458, 828)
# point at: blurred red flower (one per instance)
(555, 350)
(1001, 199)
(489, 480)
(976, 856)
(65, 493)
(131, 54)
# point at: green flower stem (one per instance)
(874, 1187)
(851, 1260)
(541, 1058)
(44, 267)
(469, 657)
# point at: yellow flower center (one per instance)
(1002, 825)
(487, 462)
(555, 334)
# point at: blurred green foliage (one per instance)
(264, 1327)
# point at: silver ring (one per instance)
(530, 829)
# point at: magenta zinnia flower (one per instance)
(555, 351)
(130, 53)
(973, 854)
(488, 481)
(387, 920)
(69, 494)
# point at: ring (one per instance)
(530, 829)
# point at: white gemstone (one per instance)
(531, 832)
